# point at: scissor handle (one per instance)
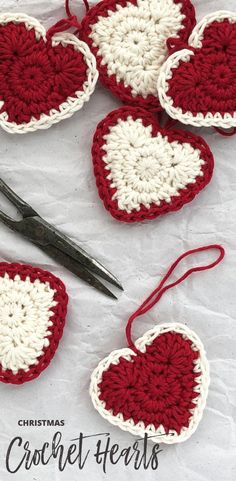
(7, 220)
(19, 203)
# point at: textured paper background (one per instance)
(52, 171)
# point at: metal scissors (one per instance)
(55, 244)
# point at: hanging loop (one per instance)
(226, 133)
(67, 7)
(67, 23)
(156, 295)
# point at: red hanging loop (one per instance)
(63, 25)
(225, 133)
(156, 295)
(66, 23)
(170, 123)
(175, 44)
(67, 7)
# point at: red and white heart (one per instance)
(128, 39)
(197, 86)
(142, 170)
(160, 391)
(43, 79)
(33, 306)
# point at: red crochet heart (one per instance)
(42, 80)
(128, 39)
(142, 170)
(161, 390)
(33, 306)
(197, 86)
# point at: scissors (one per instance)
(55, 244)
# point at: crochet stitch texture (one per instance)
(42, 80)
(128, 39)
(197, 85)
(33, 305)
(160, 390)
(158, 385)
(143, 171)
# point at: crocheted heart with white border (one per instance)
(142, 170)
(128, 39)
(42, 80)
(33, 306)
(197, 86)
(161, 390)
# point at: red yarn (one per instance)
(105, 190)
(207, 82)
(58, 319)
(157, 387)
(156, 295)
(118, 88)
(175, 44)
(67, 7)
(36, 77)
(225, 133)
(66, 23)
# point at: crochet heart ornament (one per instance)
(161, 390)
(128, 39)
(142, 170)
(33, 306)
(45, 77)
(197, 85)
(158, 385)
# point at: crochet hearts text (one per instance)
(103, 451)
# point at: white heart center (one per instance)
(145, 169)
(25, 312)
(132, 41)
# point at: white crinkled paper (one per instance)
(52, 170)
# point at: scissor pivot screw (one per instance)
(40, 231)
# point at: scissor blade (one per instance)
(55, 238)
(77, 269)
(22, 206)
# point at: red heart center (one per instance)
(156, 386)
(36, 77)
(207, 83)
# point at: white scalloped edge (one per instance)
(158, 435)
(195, 40)
(72, 104)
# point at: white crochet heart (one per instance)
(25, 312)
(132, 41)
(145, 169)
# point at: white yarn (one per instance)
(166, 73)
(201, 365)
(25, 312)
(132, 41)
(145, 169)
(72, 104)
